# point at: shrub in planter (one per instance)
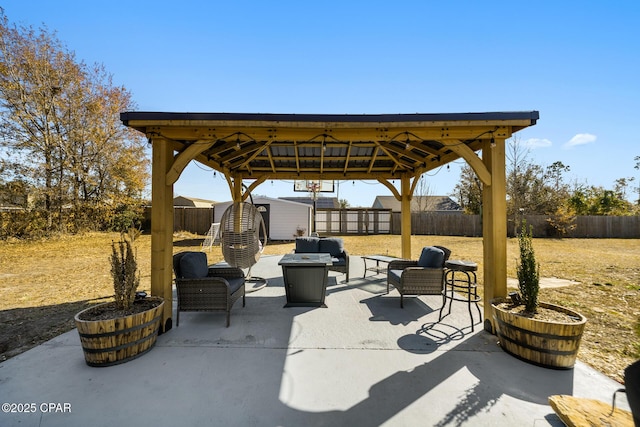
(528, 270)
(118, 331)
(537, 332)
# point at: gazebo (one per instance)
(252, 148)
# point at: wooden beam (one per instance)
(347, 158)
(270, 156)
(416, 179)
(494, 227)
(405, 214)
(460, 148)
(229, 183)
(437, 131)
(391, 155)
(255, 183)
(322, 151)
(236, 189)
(391, 188)
(241, 154)
(183, 158)
(372, 162)
(250, 158)
(162, 226)
(404, 152)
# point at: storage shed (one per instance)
(282, 218)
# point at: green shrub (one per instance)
(528, 269)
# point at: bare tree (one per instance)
(422, 195)
(61, 130)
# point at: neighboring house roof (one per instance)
(321, 202)
(192, 202)
(418, 203)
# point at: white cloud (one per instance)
(580, 139)
(537, 143)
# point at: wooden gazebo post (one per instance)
(405, 215)
(162, 227)
(494, 226)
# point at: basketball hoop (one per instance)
(313, 187)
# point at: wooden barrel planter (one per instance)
(112, 341)
(544, 343)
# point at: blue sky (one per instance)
(577, 62)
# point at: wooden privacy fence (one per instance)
(441, 224)
(365, 221)
(353, 221)
(185, 218)
(458, 224)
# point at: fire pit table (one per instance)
(305, 278)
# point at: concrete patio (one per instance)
(361, 361)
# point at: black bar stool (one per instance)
(465, 283)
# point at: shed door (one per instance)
(264, 210)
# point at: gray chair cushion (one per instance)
(395, 274)
(307, 244)
(431, 257)
(193, 265)
(235, 283)
(331, 245)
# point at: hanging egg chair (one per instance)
(239, 233)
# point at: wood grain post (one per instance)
(162, 227)
(494, 226)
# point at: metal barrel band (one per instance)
(122, 346)
(120, 331)
(507, 326)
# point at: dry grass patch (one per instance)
(45, 283)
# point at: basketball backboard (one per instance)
(310, 186)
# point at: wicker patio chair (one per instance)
(200, 288)
(424, 276)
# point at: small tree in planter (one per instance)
(124, 270)
(534, 334)
(528, 270)
(119, 331)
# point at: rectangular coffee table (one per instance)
(305, 278)
(378, 259)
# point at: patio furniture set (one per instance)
(201, 287)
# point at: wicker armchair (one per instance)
(200, 288)
(424, 276)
